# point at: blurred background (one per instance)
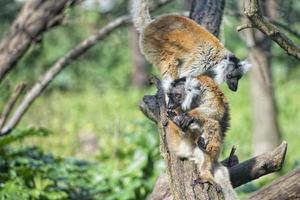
(85, 137)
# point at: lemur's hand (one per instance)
(183, 121)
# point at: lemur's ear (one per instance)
(245, 65)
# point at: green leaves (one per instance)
(127, 170)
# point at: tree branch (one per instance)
(258, 166)
(35, 18)
(285, 188)
(258, 21)
(44, 81)
(73, 54)
(10, 104)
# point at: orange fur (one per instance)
(173, 43)
(212, 115)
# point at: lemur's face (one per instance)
(176, 94)
(234, 71)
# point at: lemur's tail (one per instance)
(140, 14)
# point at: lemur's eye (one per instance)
(229, 76)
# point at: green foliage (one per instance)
(29, 173)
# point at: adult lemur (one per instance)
(179, 47)
(199, 118)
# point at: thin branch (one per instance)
(72, 55)
(244, 26)
(44, 81)
(285, 27)
(11, 102)
(253, 13)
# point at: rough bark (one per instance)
(266, 134)
(285, 188)
(140, 66)
(208, 13)
(35, 18)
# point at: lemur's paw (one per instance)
(183, 121)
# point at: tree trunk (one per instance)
(35, 18)
(266, 133)
(181, 174)
(208, 13)
(140, 65)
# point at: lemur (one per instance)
(180, 47)
(199, 118)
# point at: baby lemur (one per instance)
(199, 117)
(180, 47)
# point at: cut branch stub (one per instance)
(258, 166)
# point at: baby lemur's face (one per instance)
(176, 94)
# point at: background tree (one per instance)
(266, 134)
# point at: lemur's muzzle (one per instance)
(233, 84)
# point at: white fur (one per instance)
(140, 14)
(198, 156)
(246, 66)
(192, 89)
(166, 83)
(185, 149)
(219, 70)
(222, 177)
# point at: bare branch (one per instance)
(73, 54)
(259, 166)
(11, 102)
(253, 13)
(286, 28)
(44, 81)
(244, 26)
(35, 18)
(285, 188)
